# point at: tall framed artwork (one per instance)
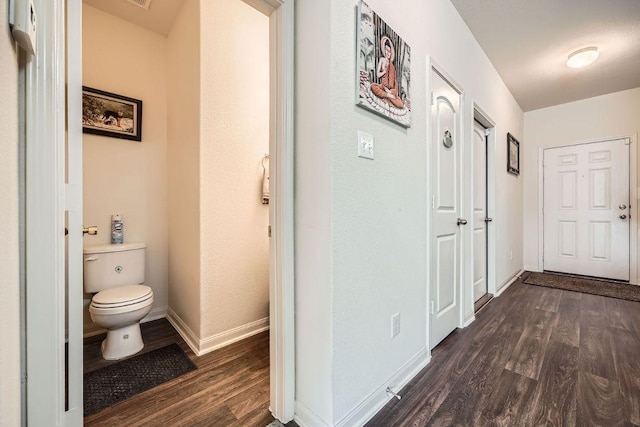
(513, 155)
(384, 68)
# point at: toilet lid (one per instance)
(123, 295)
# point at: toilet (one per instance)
(115, 273)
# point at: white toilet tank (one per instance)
(110, 266)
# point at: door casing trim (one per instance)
(44, 220)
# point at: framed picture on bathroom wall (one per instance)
(383, 75)
(109, 114)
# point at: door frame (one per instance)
(634, 199)
(461, 295)
(281, 208)
(485, 120)
(45, 219)
(73, 206)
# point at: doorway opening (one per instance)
(46, 388)
(483, 207)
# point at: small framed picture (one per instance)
(513, 155)
(109, 114)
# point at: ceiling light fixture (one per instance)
(582, 57)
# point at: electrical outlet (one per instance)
(365, 145)
(395, 325)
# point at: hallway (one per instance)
(534, 356)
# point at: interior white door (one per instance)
(445, 241)
(586, 209)
(479, 212)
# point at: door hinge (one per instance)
(433, 202)
(487, 132)
(269, 231)
(432, 307)
(433, 98)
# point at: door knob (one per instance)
(487, 219)
(462, 221)
(622, 207)
(623, 216)
(91, 230)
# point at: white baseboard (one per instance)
(370, 406)
(155, 314)
(184, 330)
(305, 417)
(534, 268)
(91, 329)
(201, 346)
(469, 321)
(509, 283)
(233, 335)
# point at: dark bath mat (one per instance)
(585, 284)
(120, 381)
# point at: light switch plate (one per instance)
(395, 325)
(365, 145)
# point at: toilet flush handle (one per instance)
(91, 230)
(91, 258)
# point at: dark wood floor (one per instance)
(534, 356)
(229, 388)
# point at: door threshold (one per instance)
(583, 276)
(478, 305)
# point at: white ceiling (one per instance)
(528, 42)
(158, 18)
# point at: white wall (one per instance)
(183, 165)
(376, 261)
(122, 176)
(613, 115)
(234, 125)
(9, 250)
(313, 221)
(218, 134)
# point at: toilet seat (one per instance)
(121, 300)
(121, 296)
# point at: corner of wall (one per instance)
(313, 282)
(183, 170)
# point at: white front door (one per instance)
(445, 242)
(586, 209)
(479, 212)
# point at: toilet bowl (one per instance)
(119, 311)
(114, 274)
